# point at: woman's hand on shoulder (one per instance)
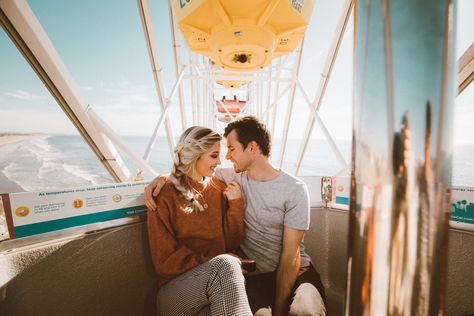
(232, 191)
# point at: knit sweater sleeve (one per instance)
(170, 258)
(234, 224)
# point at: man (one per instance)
(277, 216)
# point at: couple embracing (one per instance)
(204, 223)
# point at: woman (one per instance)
(191, 231)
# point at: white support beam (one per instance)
(163, 117)
(178, 63)
(291, 100)
(269, 92)
(22, 26)
(104, 128)
(177, 85)
(145, 17)
(277, 97)
(275, 102)
(325, 76)
(466, 69)
(242, 78)
(193, 89)
(326, 132)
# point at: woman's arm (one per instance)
(170, 258)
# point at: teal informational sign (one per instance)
(33, 213)
(462, 202)
(462, 207)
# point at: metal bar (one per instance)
(151, 143)
(193, 90)
(104, 128)
(21, 25)
(156, 67)
(291, 100)
(176, 86)
(269, 92)
(178, 63)
(277, 98)
(328, 136)
(466, 69)
(275, 102)
(326, 74)
(242, 78)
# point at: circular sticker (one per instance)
(117, 198)
(22, 211)
(340, 188)
(78, 203)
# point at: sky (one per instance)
(102, 45)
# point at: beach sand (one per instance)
(6, 185)
(10, 139)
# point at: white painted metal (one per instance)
(277, 97)
(291, 100)
(326, 132)
(164, 116)
(275, 102)
(155, 65)
(466, 69)
(104, 128)
(178, 63)
(193, 89)
(269, 91)
(330, 60)
(242, 77)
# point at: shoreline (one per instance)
(6, 139)
(7, 185)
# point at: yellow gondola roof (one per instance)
(245, 34)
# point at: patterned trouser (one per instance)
(216, 287)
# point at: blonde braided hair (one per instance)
(194, 142)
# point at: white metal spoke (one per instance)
(330, 60)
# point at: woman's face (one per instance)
(207, 163)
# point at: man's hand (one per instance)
(288, 268)
(233, 191)
(247, 265)
(152, 190)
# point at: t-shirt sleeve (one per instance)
(225, 174)
(297, 208)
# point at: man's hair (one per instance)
(250, 128)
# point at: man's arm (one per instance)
(288, 268)
(153, 189)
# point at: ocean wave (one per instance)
(79, 172)
(50, 163)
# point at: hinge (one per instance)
(326, 190)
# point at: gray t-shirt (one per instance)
(270, 205)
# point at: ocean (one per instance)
(58, 162)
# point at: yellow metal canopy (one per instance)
(243, 34)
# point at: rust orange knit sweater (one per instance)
(179, 240)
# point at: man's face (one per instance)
(236, 153)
